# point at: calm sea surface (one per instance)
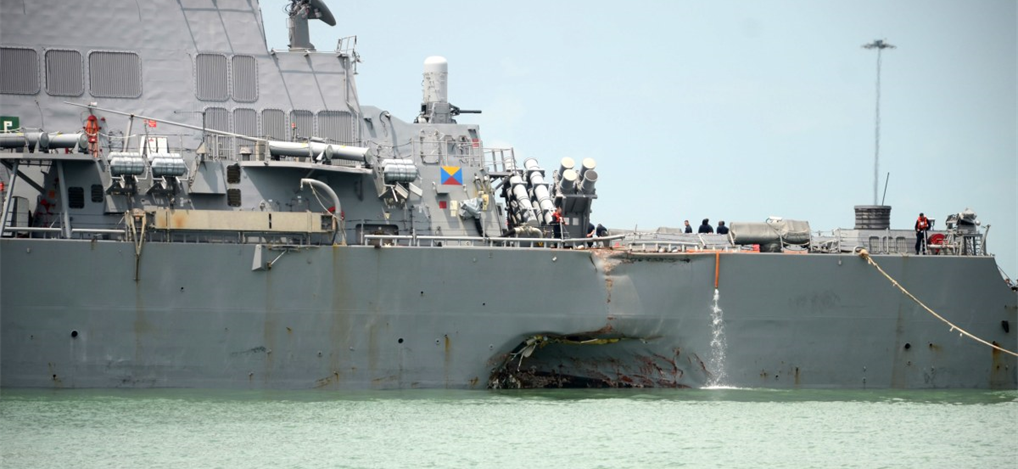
(567, 428)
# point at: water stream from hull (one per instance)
(718, 345)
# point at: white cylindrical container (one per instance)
(567, 183)
(436, 80)
(566, 163)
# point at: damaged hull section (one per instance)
(593, 361)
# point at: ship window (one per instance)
(245, 122)
(233, 197)
(233, 174)
(97, 193)
(336, 126)
(63, 73)
(245, 79)
(76, 197)
(302, 124)
(211, 77)
(274, 124)
(19, 71)
(114, 74)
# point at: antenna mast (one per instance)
(879, 45)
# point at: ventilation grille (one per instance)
(245, 79)
(97, 193)
(63, 73)
(274, 124)
(19, 71)
(76, 197)
(336, 126)
(217, 118)
(212, 77)
(233, 197)
(233, 174)
(304, 122)
(114, 74)
(245, 122)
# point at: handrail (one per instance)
(416, 240)
(32, 229)
(97, 231)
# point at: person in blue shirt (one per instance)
(705, 227)
(722, 229)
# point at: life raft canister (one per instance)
(935, 240)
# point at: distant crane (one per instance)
(879, 45)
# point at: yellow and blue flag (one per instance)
(452, 175)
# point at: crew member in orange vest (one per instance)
(556, 223)
(922, 225)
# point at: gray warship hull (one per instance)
(183, 207)
(323, 317)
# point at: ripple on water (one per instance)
(568, 428)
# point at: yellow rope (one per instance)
(866, 255)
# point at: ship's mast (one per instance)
(879, 45)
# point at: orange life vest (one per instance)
(922, 224)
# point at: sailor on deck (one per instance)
(705, 227)
(922, 225)
(556, 223)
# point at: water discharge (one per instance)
(716, 363)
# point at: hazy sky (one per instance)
(732, 110)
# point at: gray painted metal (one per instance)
(228, 275)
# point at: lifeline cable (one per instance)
(866, 255)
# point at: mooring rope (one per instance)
(866, 255)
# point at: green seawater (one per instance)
(522, 429)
